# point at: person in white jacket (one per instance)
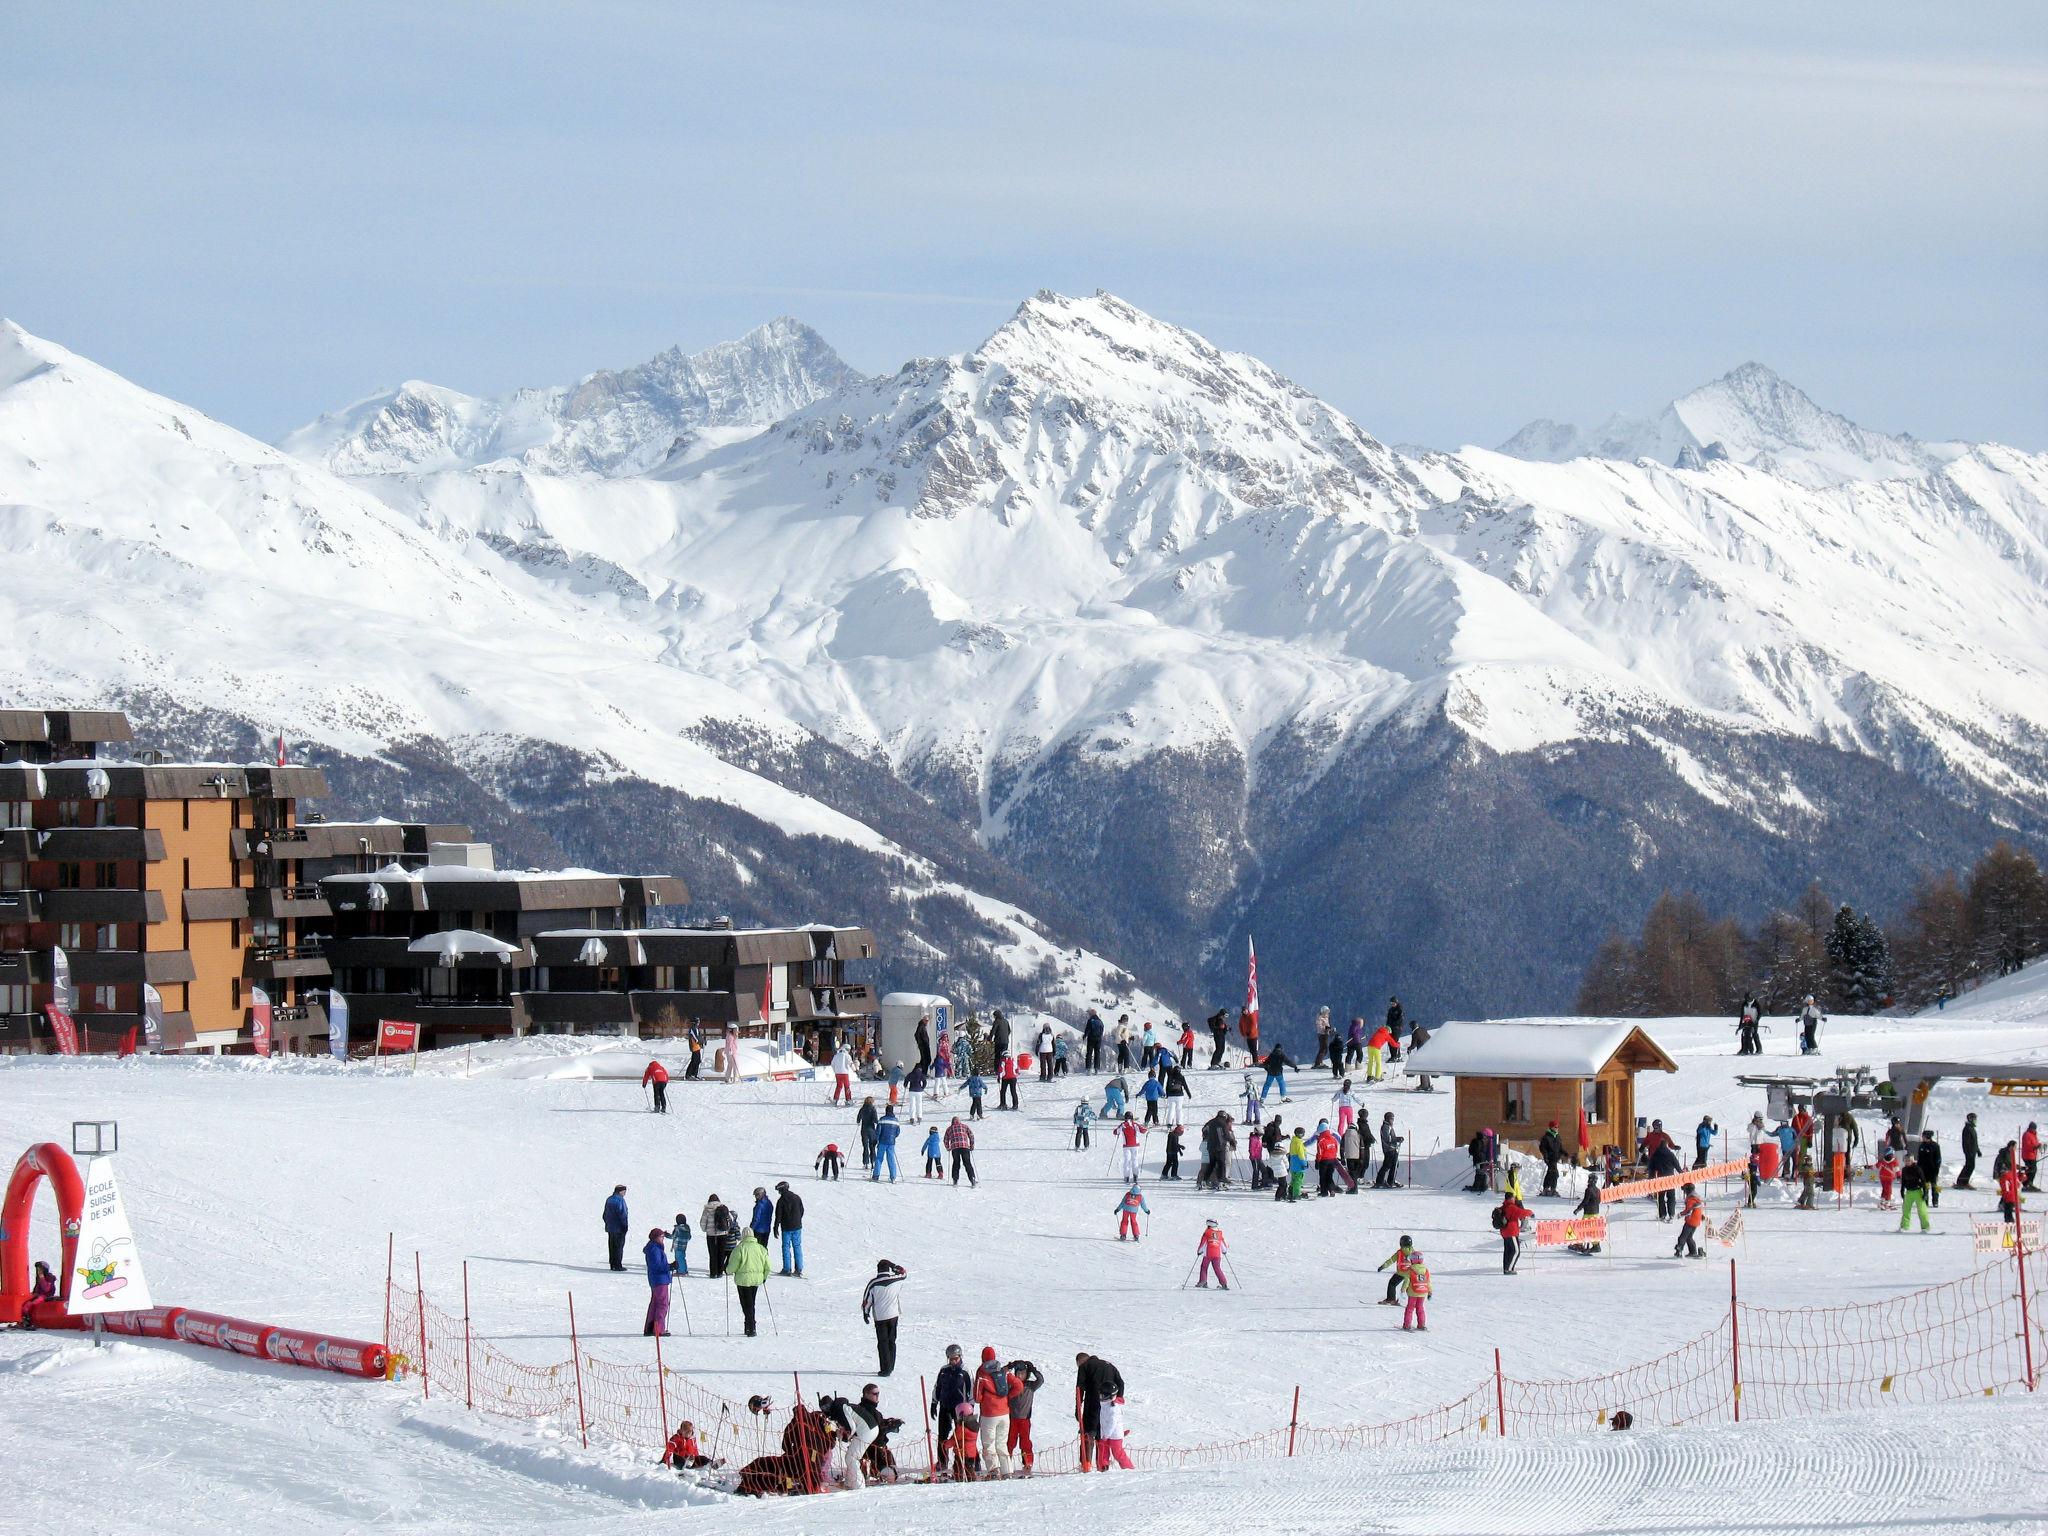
(842, 1075)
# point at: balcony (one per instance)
(21, 906)
(104, 905)
(98, 1033)
(672, 1011)
(283, 901)
(18, 842)
(453, 1016)
(277, 962)
(115, 967)
(267, 842)
(92, 845)
(576, 1011)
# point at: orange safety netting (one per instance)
(1963, 1338)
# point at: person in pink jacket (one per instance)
(1211, 1246)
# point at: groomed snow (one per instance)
(267, 1192)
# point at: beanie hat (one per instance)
(988, 1353)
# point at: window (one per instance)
(664, 978)
(103, 999)
(107, 937)
(13, 874)
(1594, 1101)
(70, 936)
(67, 877)
(1519, 1096)
(67, 813)
(106, 875)
(700, 978)
(14, 998)
(17, 813)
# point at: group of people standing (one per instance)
(734, 1252)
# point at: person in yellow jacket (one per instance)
(1416, 1314)
(748, 1268)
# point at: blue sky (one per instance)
(1446, 219)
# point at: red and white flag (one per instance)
(1251, 984)
(280, 749)
(62, 1027)
(259, 1020)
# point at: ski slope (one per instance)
(268, 1191)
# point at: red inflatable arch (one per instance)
(44, 1160)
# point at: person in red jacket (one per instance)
(994, 1385)
(682, 1451)
(1512, 1214)
(1376, 1053)
(2009, 1187)
(657, 1074)
(1211, 1247)
(2030, 1153)
(1693, 1218)
(1656, 1137)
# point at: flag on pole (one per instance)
(259, 1020)
(337, 1025)
(152, 1017)
(1585, 1136)
(280, 749)
(62, 1027)
(107, 1273)
(1251, 984)
(62, 992)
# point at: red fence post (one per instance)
(1500, 1397)
(1735, 1340)
(661, 1386)
(931, 1465)
(1293, 1420)
(468, 1391)
(2019, 1254)
(420, 1294)
(576, 1359)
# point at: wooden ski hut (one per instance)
(1518, 1075)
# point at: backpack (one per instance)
(1500, 1218)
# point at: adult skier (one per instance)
(1328, 1151)
(616, 1226)
(1354, 1043)
(1589, 1205)
(994, 1386)
(1663, 1164)
(1276, 1065)
(1217, 1141)
(1045, 1053)
(1209, 1249)
(950, 1390)
(881, 1303)
(789, 1224)
(1400, 1259)
(1323, 1034)
(923, 1036)
(1970, 1150)
(1171, 1168)
(1376, 1053)
(1091, 1043)
(657, 1075)
(1810, 1021)
(1928, 1158)
(1746, 1026)
(1219, 1038)
(1390, 1153)
(887, 1129)
(914, 1083)
(1481, 1150)
(2030, 1154)
(763, 1220)
(749, 1272)
(721, 1232)
(1345, 1103)
(1551, 1148)
(1126, 1208)
(1096, 1382)
(960, 1143)
(842, 1074)
(660, 1275)
(1128, 1134)
(1912, 1195)
(1703, 1136)
(1176, 1084)
(868, 1119)
(1029, 1379)
(1508, 1217)
(695, 1041)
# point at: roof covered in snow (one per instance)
(1539, 1048)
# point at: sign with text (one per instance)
(1998, 1236)
(398, 1035)
(63, 1028)
(106, 1275)
(1571, 1229)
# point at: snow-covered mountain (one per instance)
(1751, 416)
(611, 423)
(1136, 623)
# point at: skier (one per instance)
(679, 1245)
(1115, 1095)
(1152, 1091)
(682, 1451)
(1417, 1039)
(1663, 1154)
(1970, 1150)
(1551, 1148)
(1810, 1021)
(960, 1142)
(1376, 1053)
(721, 1232)
(1354, 1043)
(1356, 1145)
(2030, 1154)
(950, 1391)
(1927, 1157)
(1248, 1027)
(1129, 1133)
(1122, 1035)
(842, 1074)
(1508, 1217)
(1219, 1038)
(1703, 1140)
(1083, 1118)
(1126, 1208)
(1254, 1102)
(732, 1053)
(1912, 1195)
(1217, 1140)
(1006, 1089)
(868, 1119)
(1297, 1164)
(749, 1272)
(657, 1074)
(882, 1304)
(1091, 1043)
(914, 1082)
(1328, 1150)
(923, 1036)
(1276, 1065)
(1345, 1103)
(1176, 1084)
(2009, 1185)
(1480, 1149)
(1690, 1222)
(887, 1129)
(1746, 1027)
(1323, 1032)
(1210, 1248)
(1589, 1205)
(1390, 1152)
(1186, 1043)
(1401, 1258)
(1096, 1384)
(1171, 1168)
(1045, 1053)
(762, 1222)
(1148, 1048)
(660, 1275)
(827, 1162)
(1109, 1444)
(999, 1032)
(934, 1164)
(695, 1040)
(1029, 1379)
(616, 1226)
(993, 1388)
(977, 1090)
(1887, 1175)
(789, 1224)
(861, 1425)
(1417, 1309)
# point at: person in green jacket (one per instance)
(748, 1268)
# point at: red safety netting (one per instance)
(1692, 1384)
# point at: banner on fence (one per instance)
(1642, 1187)
(1571, 1229)
(1730, 1230)
(397, 1035)
(1997, 1236)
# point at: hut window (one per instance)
(1519, 1095)
(1593, 1100)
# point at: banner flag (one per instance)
(152, 1017)
(337, 1025)
(62, 993)
(107, 1276)
(1251, 984)
(65, 1031)
(259, 1020)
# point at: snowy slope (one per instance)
(610, 423)
(506, 1173)
(1751, 416)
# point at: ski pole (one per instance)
(726, 1289)
(685, 1300)
(1191, 1272)
(769, 1297)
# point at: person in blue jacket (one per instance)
(934, 1161)
(887, 1129)
(616, 1226)
(1152, 1092)
(1115, 1095)
(660, 1274)
(976, 1088)
(763, 1219)
(1788, 1142)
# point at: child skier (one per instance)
(1211, 1247)
(679, 1245)
(827, 1162)
(682, 1452)
(1416, 1313)
(1109, 1445)
(1692, 1219)
(1887, 1176)
(1173, 1140)
(1129, 1132)
(1402, 1258)
(934, 1164)
(1084, 1117)
(1127, 1209)
(977, 1089)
